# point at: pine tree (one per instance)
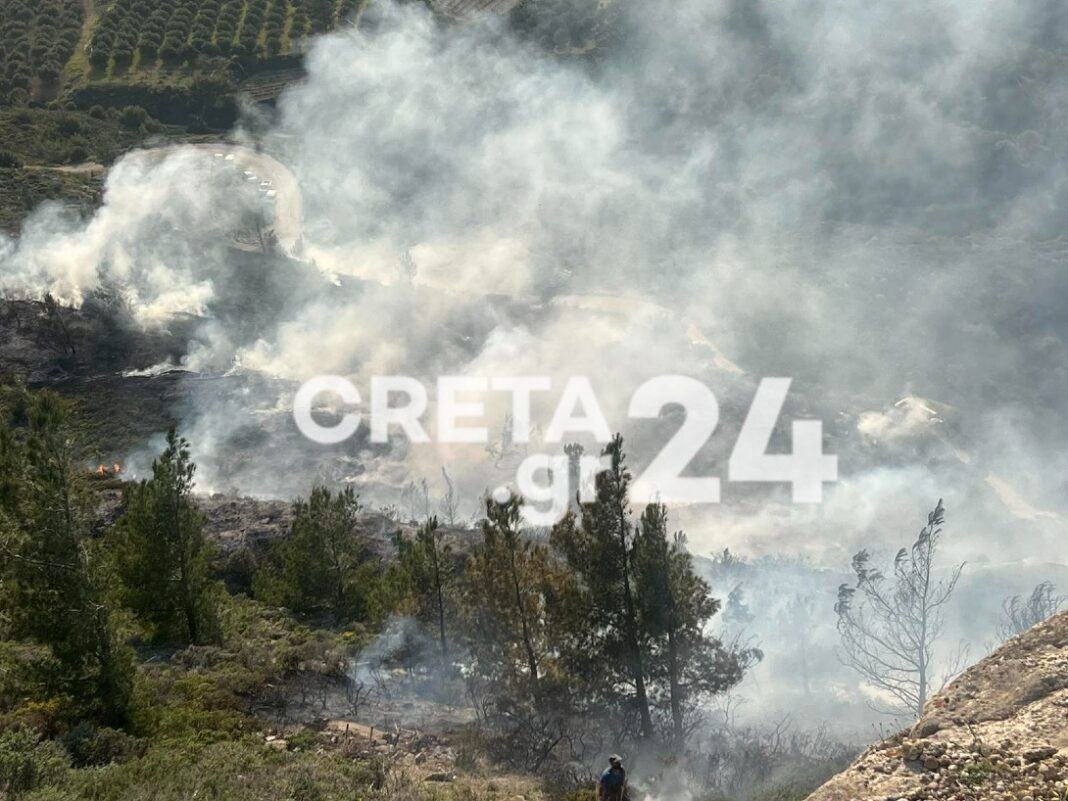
(322, 566)
(517, 617)
(161, 555)
(506, 607)
(428, 569)
(53, 581)
(685, 662)
(641, 613)
(600, 552)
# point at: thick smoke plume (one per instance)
(867, 199)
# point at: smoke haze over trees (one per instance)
(866, 199)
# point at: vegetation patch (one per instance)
(23, 190)
(141, 36)
(38, 136)
(37, 37)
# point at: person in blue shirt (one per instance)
(613, 784)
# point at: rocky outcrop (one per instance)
(997, 733)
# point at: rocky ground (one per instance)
(997, 733)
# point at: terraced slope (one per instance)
(140, 35)
(53, 48)
(49, 45)
(37, 38)
(459, 8)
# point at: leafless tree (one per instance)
(60, 331)
(889, 625)
(425, 486)
(410, 497)
(322, 691)
(450, 501)
(357, 695)
(1018, 615)
(380, 679)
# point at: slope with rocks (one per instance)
(997, 733)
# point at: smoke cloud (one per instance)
(866, 199)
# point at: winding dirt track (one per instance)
(288, 227)
(288, 221)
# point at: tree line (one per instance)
(600, 619)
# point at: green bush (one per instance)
(92, 746)
(9, 160)
(68, 125)
(133, 117)
(27, 762)
(242, 770)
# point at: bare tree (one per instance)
(450, 501)
(889, 625)
(417, 498)
(357, 695)
(1018, 615)
(59, 328)
(410, 498)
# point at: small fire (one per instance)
(104, 470)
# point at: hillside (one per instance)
(997, 733)
(65, 44)
(56, 49)
(83, 82)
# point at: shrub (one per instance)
(49, 70)
(27, 762)
(99, 55)
(8, 160)
(133, 117)
(69, 126)
(92, 746)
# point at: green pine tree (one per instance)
(53, 581)
(514, 615)
(600, 552)
(685, 662)
(429, 571)
(323, 565)
(161, 555)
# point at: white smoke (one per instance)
(865, 198)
